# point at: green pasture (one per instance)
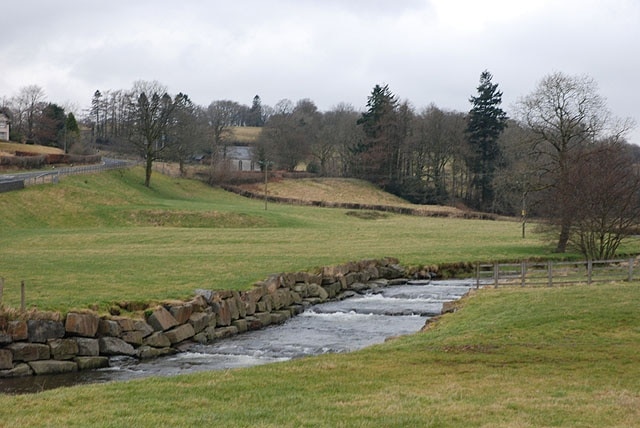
(536, 357)
(509, 357)
(97, 239)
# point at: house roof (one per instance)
(240, 152)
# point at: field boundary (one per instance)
(554, 273)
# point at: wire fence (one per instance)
(552, 273)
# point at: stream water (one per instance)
(335, 327)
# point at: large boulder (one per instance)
(161, 319)
(148, 352)
(52, 367)
(316, 290)
(181, 312)
(23, 351)
(63, 349)
(180, 333)
(115, 346)
(87, 347)
(91, 363)
(6, 359)
(126, 324)
(143, 327)
(157, 340)
(201, 320)
(19, 370)
(85, 325)
(42, 330)
(109, 328)
(133, 337)
(18, 330)
(5, 339)
(223, 313)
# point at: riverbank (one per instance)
(46, 343)
(563, 356)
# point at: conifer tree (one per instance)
(485, 123)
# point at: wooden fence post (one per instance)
(550, 273)
(496, 274)
(477, 275)
(589, 271)
(523, 273)
(630, 278)
(22, 296)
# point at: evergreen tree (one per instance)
(255, 117)
(377, 155)
(96, 111)
(71, 131)
(486, 122)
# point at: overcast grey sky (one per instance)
(330, 51)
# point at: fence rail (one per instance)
(552, 273)
(53, 177)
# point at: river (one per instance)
(335, 327)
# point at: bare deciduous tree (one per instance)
(605, 191)
(153, 115)
(565, 114)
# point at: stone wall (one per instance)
(84, 340)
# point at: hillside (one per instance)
(341, 190)
(8, 149)
(245, 134)
(100, 238)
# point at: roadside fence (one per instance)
(554, 273)
(53, 177)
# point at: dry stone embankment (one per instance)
(85, 341)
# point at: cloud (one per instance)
(329, 51)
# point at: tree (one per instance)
(434, 142)
(221, 115)
(187, 135)
(379, 153)
(48, 126)
(338, 131)
(153, 118)
(289, 133)
(27, 106)
(255, 116)
(605, 190)
(486, 122)
(98, 114)
(565, 115)
(71, 132)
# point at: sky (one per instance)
(328, 51)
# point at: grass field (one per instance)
(246, 134)
(552, 357)
(97, 239)
(544, 357)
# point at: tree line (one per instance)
(560, 155)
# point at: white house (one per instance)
(4, 127)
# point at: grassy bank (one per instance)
(509, 358)
(102, 238)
